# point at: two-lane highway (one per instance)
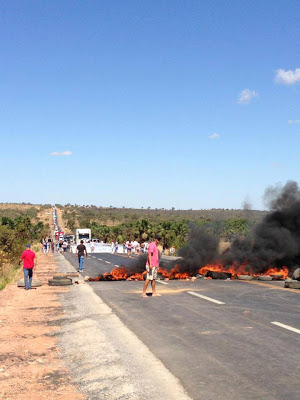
(217, 337)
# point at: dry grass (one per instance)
(40, 213)
(11, 272)
(8, 274)
(15, 206)
(45, 215)
(223, 245)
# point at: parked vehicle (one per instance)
(83, 234)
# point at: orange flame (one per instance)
(122, 273)
(174, 273)
(244, 269)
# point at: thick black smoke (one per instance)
(200, 250)
(275, 242)
(282, 198)
(138, 265)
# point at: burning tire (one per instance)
(277, 277)
(218, 275)
(245, 277)
(60, 282)
(264, 278)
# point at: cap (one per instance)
(157, 237)
(28, 246)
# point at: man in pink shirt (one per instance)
(29, 262)
(152, 265)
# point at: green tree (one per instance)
(236, 227)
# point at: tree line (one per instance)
(16, 232)
(173, 233)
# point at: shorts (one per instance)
(152, 273)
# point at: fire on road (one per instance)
(209, 345)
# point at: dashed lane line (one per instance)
(290, 328)
(162, 282)
(205, 298)
(100, 259)
(107, 262)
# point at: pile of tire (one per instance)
(60, 281)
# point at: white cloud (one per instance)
(287, 77)
(63, 153)
(246, 96)
(214, 136)
(294, 121)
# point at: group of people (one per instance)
(47, 244)
(28, 258)
(130, 247)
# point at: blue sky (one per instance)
(185, 104)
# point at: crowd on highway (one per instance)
(49, 245)
(129, 247)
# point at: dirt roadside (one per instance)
(31, 366)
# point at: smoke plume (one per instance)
(275, 242)
(201, 249)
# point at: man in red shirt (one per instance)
(152, 265)
(29, 262)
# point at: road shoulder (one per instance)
(31, 366)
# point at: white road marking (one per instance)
(93, 256)
(100, 259)
(116, 265)
(290, 328)
(206, 298)
(107, 262)
(164, 283)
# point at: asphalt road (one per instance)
(232, 350)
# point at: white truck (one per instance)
(84, 234)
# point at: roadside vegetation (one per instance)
(14, 234)
(112, 223)
(32, 211)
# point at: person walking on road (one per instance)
(128, 243)
(152, 265)
(80, 253)
(29, 262)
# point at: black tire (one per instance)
(293, 284)
(60, 282)
(264, 278)
(58, 277)
(245, 277)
